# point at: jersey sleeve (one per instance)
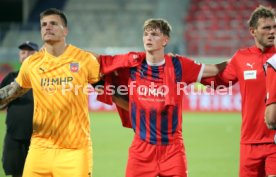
(229, 73)
(270, 85)
(192, 71)
(111, 63)
(113, 81)
(23, 78)
(94, 69)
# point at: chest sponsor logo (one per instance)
(74, 67)
(250, 74)
(156, 92)
(55, 81)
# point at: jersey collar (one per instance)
(267, 50)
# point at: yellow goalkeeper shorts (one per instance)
(48, 162)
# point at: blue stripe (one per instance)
(133, 116)
(153, 126)
(164, 127)
(143, 69)
(133, 73)
(174, 119)
(177, 69)
(143, 124)
(155, 72)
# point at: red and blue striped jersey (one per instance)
(151, 119)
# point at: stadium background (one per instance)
(208, 31)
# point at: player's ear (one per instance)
(252, 31)
(65, 31)
(166, 40)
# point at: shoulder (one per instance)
(134, 55)
(180, 57)
(183, 59)
(81, 54)
(272, 61)
(241, 55)
(35, 57)
(247, 51)
(244, 50)
(241, 52)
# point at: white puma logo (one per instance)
(250, 65)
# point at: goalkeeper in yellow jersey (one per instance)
(58, 74)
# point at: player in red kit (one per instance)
(257, 144)
(155, 101)
(270, 113)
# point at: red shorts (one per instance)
(257, 160)
(147, 160)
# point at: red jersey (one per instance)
(247, 67)
(151, 119)
(271, 80)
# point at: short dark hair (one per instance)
(158, 23)
(54, 11)
(260, 12)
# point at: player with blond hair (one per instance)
(155, 105)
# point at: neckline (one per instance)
(156, 64)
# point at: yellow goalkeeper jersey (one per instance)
(61, 118)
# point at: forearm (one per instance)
(213, 69)
(217, 82)
(11, 92)
(222, 75)
(121, 102)
(270, 116)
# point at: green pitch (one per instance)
(211, 140)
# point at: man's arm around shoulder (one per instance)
(214, 69)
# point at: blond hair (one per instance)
(160, 24)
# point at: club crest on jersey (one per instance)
(134, 58)
(74, 67)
